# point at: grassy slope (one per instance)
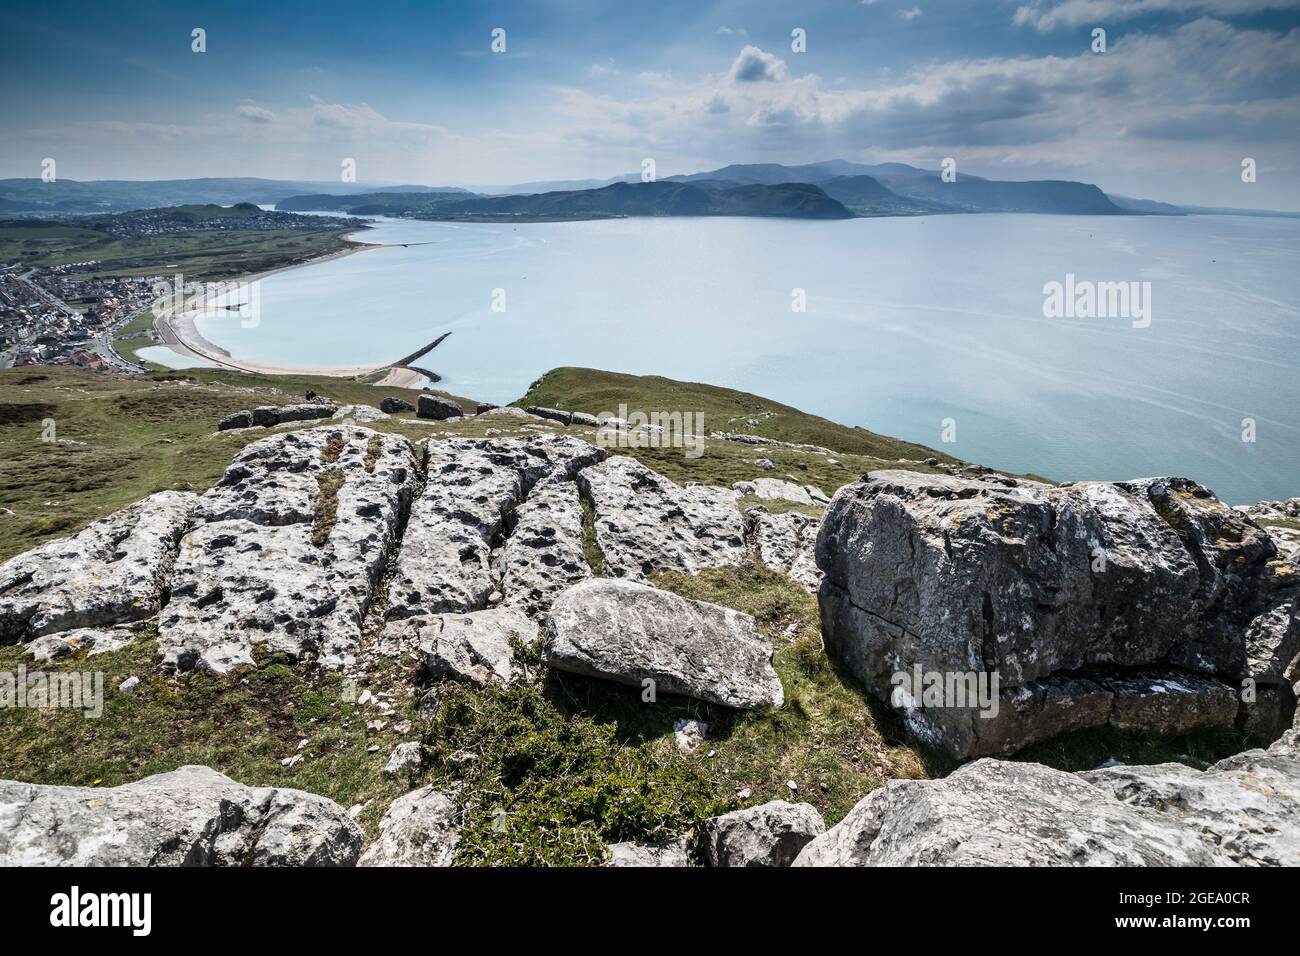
(559, 768)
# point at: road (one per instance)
(101, 345)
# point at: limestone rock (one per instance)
(421, 828)
(268, 416)
(629, 632)
(476, 647)
(242, 419)
(287, 549)
(777, 489)
(1247, 805)
(786, 542)
(359, 414)
(193, 816)
(111, 572)
(391, 405)
(405, 759)
(445, 560)
(666, 853)
(95, 641)
(543, 554)
(690, 734)
(437, 408)
(646, 523)
(1035, 583)
(768, 835)
(552, 414)
(999, 813)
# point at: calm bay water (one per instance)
(909, 322)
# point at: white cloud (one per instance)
(1050, 14)
(254, 113)
(727, 31)
(910, 14)
(755, 66)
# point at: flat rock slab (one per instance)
(94, 641)
(787, 543)
(666, 853)
(998, 813)
(629, 632)
(112, 572)
(646, 523)
(771, 834)
(477, 647)
(778, 489)
(543, 554)
(287, 549)
(193, 816)
(421, 828)
(445, 562)
(1248, 805)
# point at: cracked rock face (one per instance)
(421, 828)
(1248, 804)
(1039, 584)
(112, 572)
(189, 817)
(477, 647)
(543, 554)
(786, 542)
(646, 523)
(768, 835)
(287, 549)
(629, 632)
(445, 562)
(998, 813)
(777, 489)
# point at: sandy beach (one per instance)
(179, 333)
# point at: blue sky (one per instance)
(411, 91)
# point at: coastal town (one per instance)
(55, 317)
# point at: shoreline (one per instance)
(179, 333)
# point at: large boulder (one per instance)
(445, 562)
(193, 816)
(114, 571)
(1242, 811)
(287, 549)
(632, 633)
(771, 834)
(646, 523)
(268, 416)
(391, 405)
(477, 647)
(437, 408)
(1052, 590)
(421, 828)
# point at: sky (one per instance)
(413, 92)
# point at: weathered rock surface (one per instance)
(553, 414)
(242, 419)
(543, 554)
(999, 813)
(477, 647)
(392, 405)
(1248, 805)
(287, 549)
(1040, 584)
(786, 542)
(111, 572)
(359, 414)
(193, 816)
(405, 759)
(646, 523)
(439, 409)
(629, 632)
(667, 853)
(268, 416)
(768, 835)
(473, 484)
(421, 828)
(778, 489)
(95, 641)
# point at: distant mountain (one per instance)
(378, 203)
(555, 185)
(69, 196)
(1146, 207)
(796, 200)
(915, 190)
